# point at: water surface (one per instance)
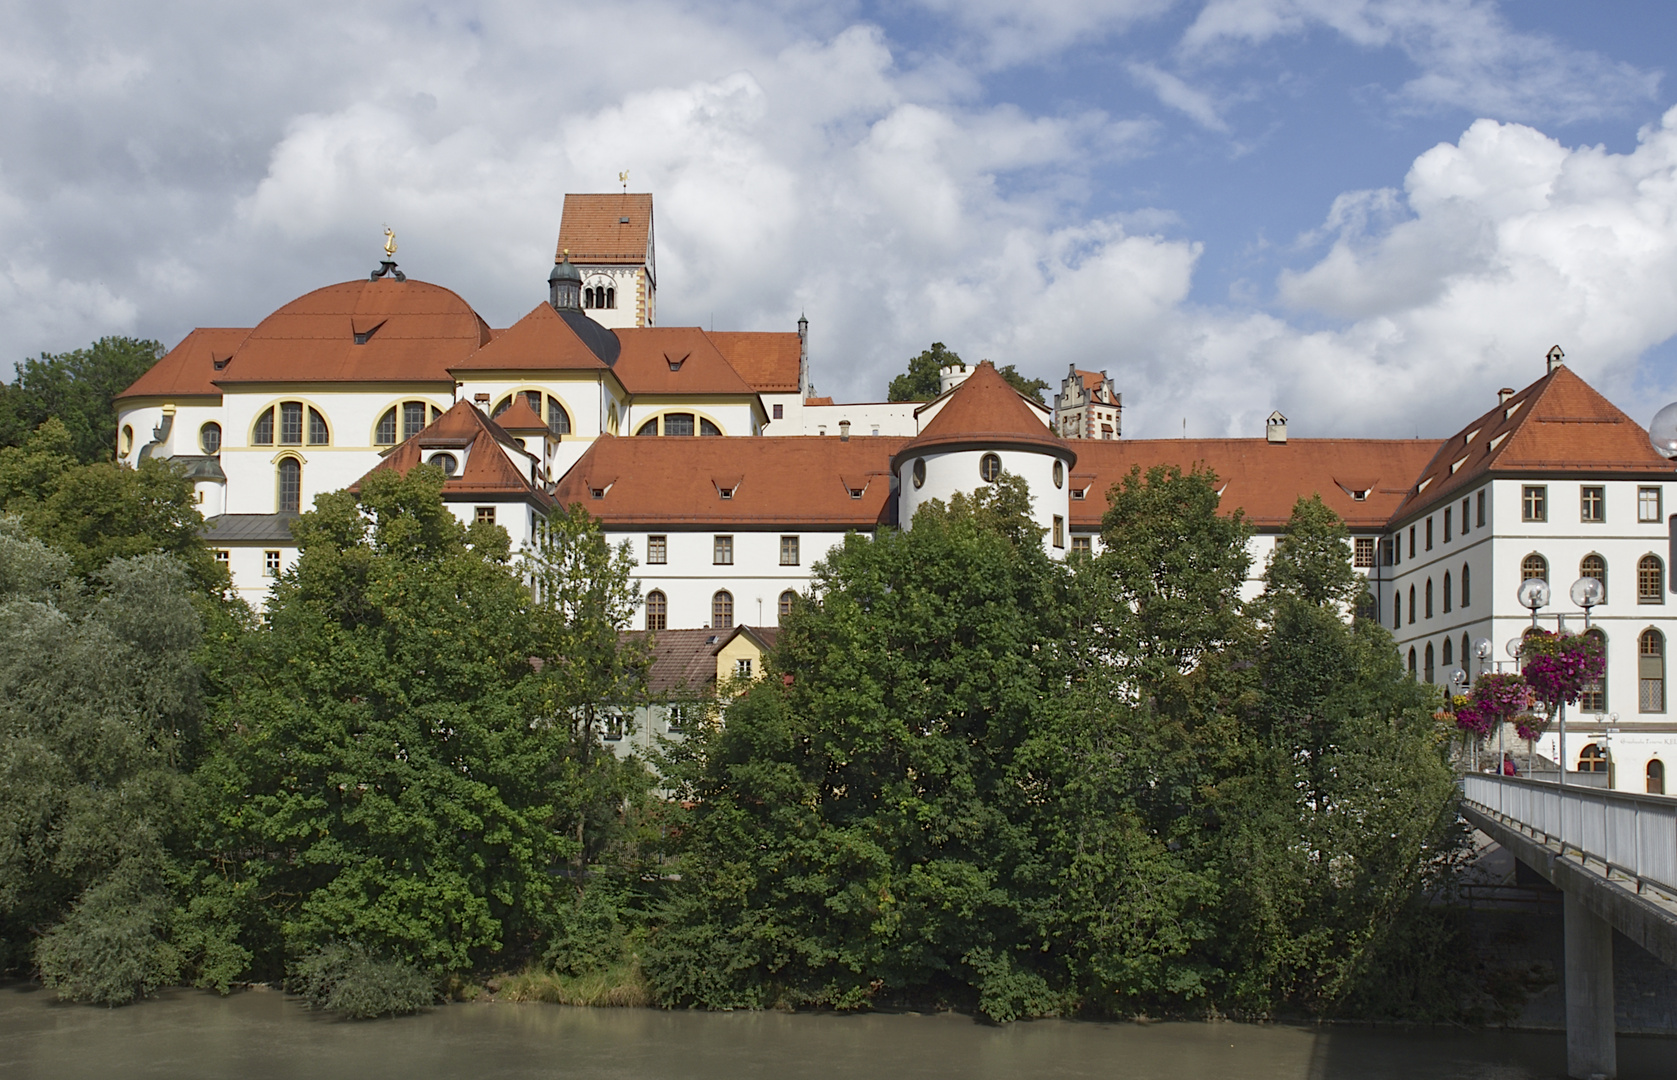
(265, 1036)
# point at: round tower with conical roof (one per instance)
(986, 429)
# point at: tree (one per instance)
(1312, 560)
(922, 382)
(77, 388)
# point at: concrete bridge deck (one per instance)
(1613, 855)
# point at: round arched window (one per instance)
(127, 439)
(1059, 474)
(919, 472)
(448, 463)
(209, 437)
(990, 468)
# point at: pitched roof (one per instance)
(487, 469)
(1558, 424)
(763, 637)
(985, 410)
(592, 228)
(674, 360)
(794, 481)
(683, 661)
(544, 340)
(248, 529)
(1091, 379)
(188, 368)
(415, 332)
(818, 401)
(1263, 478)
(518, 416)
(769, 361)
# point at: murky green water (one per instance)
(263, 1035)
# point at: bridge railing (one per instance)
(1635, 835)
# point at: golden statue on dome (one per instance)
(389, 242)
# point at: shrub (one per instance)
(110, 950)
(347, 979)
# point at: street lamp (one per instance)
(1662, 432)
(1534, 594)
(1587, 592)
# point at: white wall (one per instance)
(756, 579)
(949, 471)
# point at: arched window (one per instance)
(209, 438)
(611, 296)
(1595, 566)
(657, 610)
(1656, 777)
(1411, 609)
(1593, 697)
(127, 440)
(291, 429)
(722, 610)
(1429, 598)
(1650, 671)
(678, 423)
(1411, 661)
(1397, 611)
(1534, 566)
(1650, 580)
(558, 420)
(708, 428)
(319, 434)
(648, 428)
(402, 422)
(1467, 597)
(1450, 652)
(1429, 668)
(1592, 758)
(1448, 592)
(786, 599)
(1467, 650)
(990, 468)
(290, 499)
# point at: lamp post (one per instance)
(1458, 685)
(1513, 649)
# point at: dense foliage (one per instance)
(76, 389)
(921, 382)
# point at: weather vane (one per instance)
(623, 178)
(389, 242)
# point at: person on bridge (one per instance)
(1508, 766)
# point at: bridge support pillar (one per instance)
(1590, 1049)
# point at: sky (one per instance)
(1368, 214)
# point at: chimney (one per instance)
(844, 431)
(1555, 357)
(1275, 428)
(805, 389)
(482, 403)
(1504, 394)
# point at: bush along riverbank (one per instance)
(975, 776)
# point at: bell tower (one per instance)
(609, 239)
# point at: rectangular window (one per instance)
(1534, 503)
(270, 564)
(1429, 534)
(291, 423)
(1386, 551)
(486, 514)
(1464, 517)
(779, 412)
(1447, 512)
(657, 550)
(1648, 504)
(1411, 541)
(1059, 531)
(1479, 514)
(742, 668)
(1592, 504)
(1364, 552)
(413, 419)
(1083, 543)
(222, 555)
(788, 551)
(722, 551)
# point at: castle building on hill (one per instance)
(710, 454)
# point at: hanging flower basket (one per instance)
(1496, 699)
(1531, 726)
(1558, 669)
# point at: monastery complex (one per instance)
(710, 455)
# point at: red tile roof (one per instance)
(540, 341)
(793, 482)
(188, 368)
(674, 360)
(1558, 424)
(487, 469)
(768, 361)
(985, 410)
(418, 331)
(593, 231)
(683, 661)
(1263, 478)
(520, 417)
(818, 401)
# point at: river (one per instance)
(262, 1035)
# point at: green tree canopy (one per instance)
(77, 388)
(921, 382)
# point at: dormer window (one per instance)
(675, 362)
(597, 493)
(856, 492)
(726, 493)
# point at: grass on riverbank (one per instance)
(623, 985)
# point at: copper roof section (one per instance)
(1558, 424)
(1262, 478)
(592, 229)
(541, 341)
(487, 469)
(417, 331)
(675, 360)
(985, 410)
(189, 368)
(768, 361)
(792, 483)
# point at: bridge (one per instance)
(1613, 855)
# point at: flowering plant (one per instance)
(1530, 726)
(1559, 668)
(1496, 699)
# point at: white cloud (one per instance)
(1006, 32)
(1197, 105)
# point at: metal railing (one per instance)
(1629, 834)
